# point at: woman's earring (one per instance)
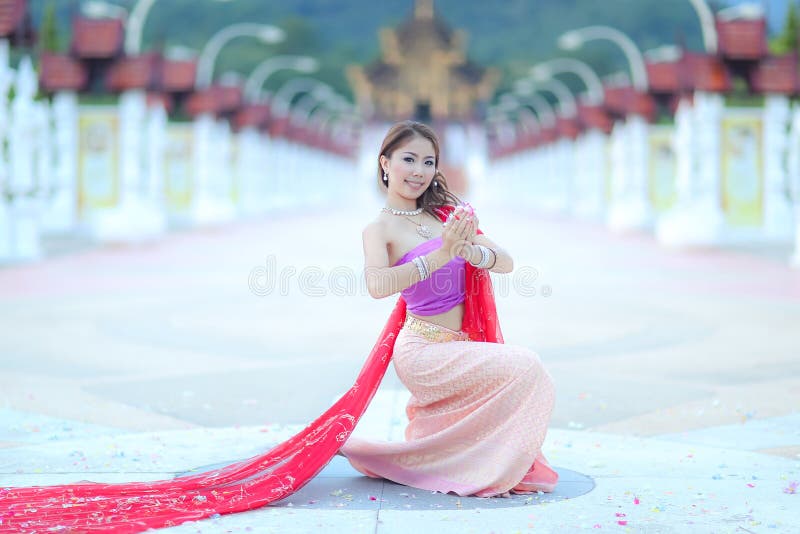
(435, 183)
(385, 177)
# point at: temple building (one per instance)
(423, 73)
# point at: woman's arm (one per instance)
(383, 280)
(504, 264)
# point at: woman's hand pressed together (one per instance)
(458, 232)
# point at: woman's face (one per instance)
(411, 167)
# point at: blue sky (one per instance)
(776, 11)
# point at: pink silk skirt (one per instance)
(478, 416)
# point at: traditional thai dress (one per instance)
(478, 411)
(477, 420)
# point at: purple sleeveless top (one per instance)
(443, 290)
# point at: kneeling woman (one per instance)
(479, 409)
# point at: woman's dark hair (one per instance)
(435, 195)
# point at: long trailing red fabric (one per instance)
(245, 485)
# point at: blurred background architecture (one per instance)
(123, 120)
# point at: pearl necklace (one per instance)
(422, 229)
(393, 211)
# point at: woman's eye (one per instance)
(428, 163)
(408, 159)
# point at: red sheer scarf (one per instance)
(245, 485)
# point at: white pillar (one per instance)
(25, 208)
(590, 175)
(793, 161)
(630, 207)
(135, 217)
(249, 171)
(619, 166)
(263, 158)
(6, 79)
(280, 172)
(211, 203)
(156, 145)
(696, 218)
(777, 207)
(565, 176)
(552, 162)
(709, 109)
(62, 209)
(44, 171)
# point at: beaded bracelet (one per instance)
(421, 262)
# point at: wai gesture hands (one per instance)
(459, 230)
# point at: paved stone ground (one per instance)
(677, 371)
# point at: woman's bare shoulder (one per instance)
(376, 229)
(384, 225)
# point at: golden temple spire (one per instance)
(423, 9)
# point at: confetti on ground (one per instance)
(791, 488)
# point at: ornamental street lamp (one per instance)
(574, 39)
(566, 101)
(267, 33)
(707, 25)
(282, 100)
(548, 69)
(543, 109)
(136, 18)
(256, 80)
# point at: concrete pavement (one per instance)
(677, 372)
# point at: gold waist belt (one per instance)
(433, 332)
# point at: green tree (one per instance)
(786, 41)
(49, 29)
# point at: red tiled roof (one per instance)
(230, 97)
(61, 73)
(254, 115)
(178, 76)
(704, 72)
(776, 75)
(12, 14)
(663, 77)
(642, 104)
(278, 126)
(97, 38)
(568, 128)
(216, 99)
(201, 102)
(616, 98)
(624, 100)
(135, 72)
(595, 117)
(548, 134)
(742, 39)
